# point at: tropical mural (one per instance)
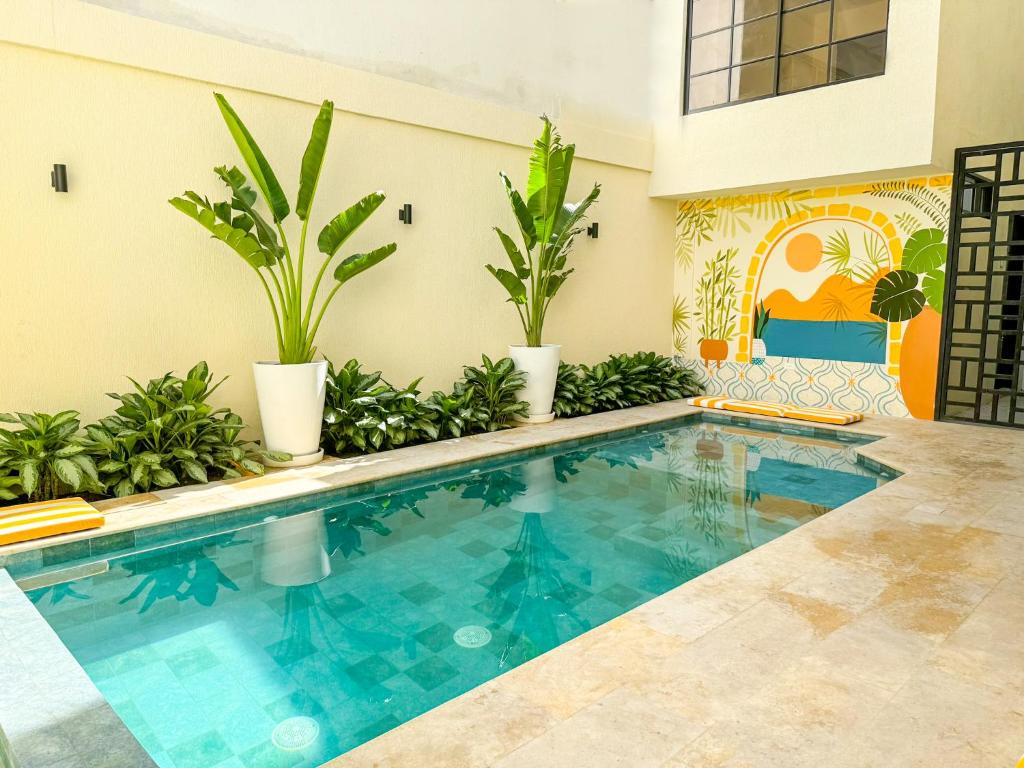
(823, 297)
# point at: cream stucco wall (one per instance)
(554, 56)
(873, 128)
(980, 96)
(109, 280)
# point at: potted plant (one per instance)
(716, 306)
(548, 226)
(290, 390)
(758, 351)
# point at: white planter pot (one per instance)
(291, 402)
(540, 364)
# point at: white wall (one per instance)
(873, 127)
(554, 56)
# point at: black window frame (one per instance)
(829, 46)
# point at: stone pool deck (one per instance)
(885, 633)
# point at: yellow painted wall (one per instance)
(109, 280)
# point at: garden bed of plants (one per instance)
(166, 433)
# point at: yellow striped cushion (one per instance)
(782, 410)
(25, 522)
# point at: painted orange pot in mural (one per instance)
(714, 350)
(919, 363)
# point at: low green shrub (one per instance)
(493, 387)
(363, 413)
(167, 434)
(10, 482)
(46, 455)
(621, 381)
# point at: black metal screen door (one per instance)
(981, 372)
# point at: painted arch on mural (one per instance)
(816, 274)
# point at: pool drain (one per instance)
(295, 733)
(472, 636)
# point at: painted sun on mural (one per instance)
(822, 297)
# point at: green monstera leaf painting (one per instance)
(897, 297)
(934, 288)
(925, 251)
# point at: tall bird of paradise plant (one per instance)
(263, 244)
(291, 396)
(548, 226)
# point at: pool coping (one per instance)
(195, 501)
(51, 713)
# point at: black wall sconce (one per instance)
(59, 177)
(592, 230)
(405, 213)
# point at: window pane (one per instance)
(790, 4)
(709, 52)
(805, 28)
(708, 90)
(802, 70)
(709, 15)
(753, 80)
(754, 40)
(754, 9)
(858, 17)
(858, 58)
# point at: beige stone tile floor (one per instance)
(885, 633)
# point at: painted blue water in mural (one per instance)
(855, 342)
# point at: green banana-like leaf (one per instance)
(515, 287)
(555, 282)
(540, 159)
(514, 255)
(244, 244)
(897, 297)
(341, 227)
(313, 159)
(925, 251)
(561, 169)
(257, 163)
(361, 262)
(566, 227)
(933, 286)
(244, 198)
(522, 213)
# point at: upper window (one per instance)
(739, 50)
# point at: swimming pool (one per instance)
(299, 630)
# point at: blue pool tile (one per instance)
(201, 751)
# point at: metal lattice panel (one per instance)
(980, 376)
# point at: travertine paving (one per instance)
(885, 633)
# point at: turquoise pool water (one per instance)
(322, 622)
